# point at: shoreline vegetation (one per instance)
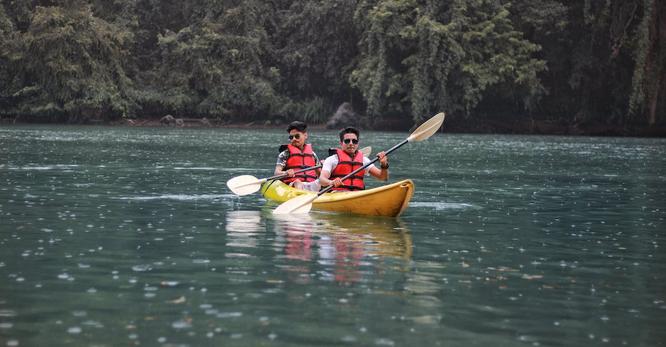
(511, 66)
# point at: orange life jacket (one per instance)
(300, 160)
(345, 166)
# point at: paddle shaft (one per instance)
(295, 172)
(363, 167)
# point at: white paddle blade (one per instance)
(366, 151)
(244, 185)
(298, 205)
(428, 128)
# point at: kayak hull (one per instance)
(389, 200)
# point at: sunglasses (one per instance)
(297, 136)
(347, 141)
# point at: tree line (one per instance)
(572, 62)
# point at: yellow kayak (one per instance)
(389, 200)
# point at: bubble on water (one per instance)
(83, 266)
(142, 267)
(161, 339)
(7, 313)
(94, 324)
(200, 261)
(349, 339)
(91, 290)
(182, 324)
(384, 342)
(229, 314)
(12, 343)
(64, 276)
(74, 330)
(6, 325)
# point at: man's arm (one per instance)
(380, 173)
(281, 163)
(324, 177)
(317, 162)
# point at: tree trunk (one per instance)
(652, 116)
(658, 38)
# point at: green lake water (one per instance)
(129, 236)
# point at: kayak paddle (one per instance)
(303, 203)
(248, 184)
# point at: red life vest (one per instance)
(345, 166)
(300, 160)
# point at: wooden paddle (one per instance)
(303, 203)
(248, 184)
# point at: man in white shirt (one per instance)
(347, 159)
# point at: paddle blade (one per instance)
(297, 205)
(366, 151)
(244, 185)
(427, 129)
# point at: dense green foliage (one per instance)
(573, 62)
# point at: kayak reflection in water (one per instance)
(347, 159)
(344, 245)
(243, 229)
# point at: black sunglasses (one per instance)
(297, 136)
(347, 141)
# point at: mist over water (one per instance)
(129, 236)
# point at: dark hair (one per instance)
(298, 125)
(349, 130)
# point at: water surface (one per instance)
(129, 236)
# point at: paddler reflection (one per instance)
(350, 248)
